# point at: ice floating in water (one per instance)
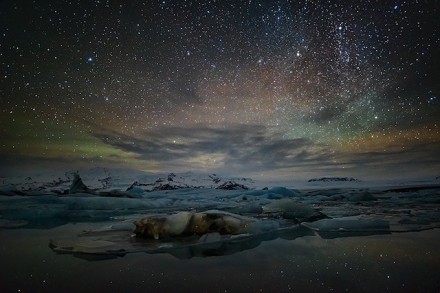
(291, 209)
(255, 215)
(191, 223)
(354, 223)
(349, 226)
(274, 193)
(111, 243)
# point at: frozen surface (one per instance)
(110, 201)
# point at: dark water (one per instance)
(399, 262)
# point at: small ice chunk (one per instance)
(354, 223)
(284, 191)
(291, 209)
(275, 192)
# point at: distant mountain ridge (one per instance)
(334, 179)
(107, 181)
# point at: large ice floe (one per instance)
(190, 214)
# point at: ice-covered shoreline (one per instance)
(323, 208)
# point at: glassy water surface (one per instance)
(398, 262)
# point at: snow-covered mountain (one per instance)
(107, 179)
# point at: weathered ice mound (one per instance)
(191, 223)
(334, 179)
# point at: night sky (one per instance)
(292, 89)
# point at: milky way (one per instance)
(292, 88)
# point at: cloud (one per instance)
(243, 149)
(238, 147)
(240, 150)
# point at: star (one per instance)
(254, 74)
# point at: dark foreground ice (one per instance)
(319, 238)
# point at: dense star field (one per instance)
(273, 88)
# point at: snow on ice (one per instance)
(190, 214)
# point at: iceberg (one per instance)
(113, 242)
(191, 223)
